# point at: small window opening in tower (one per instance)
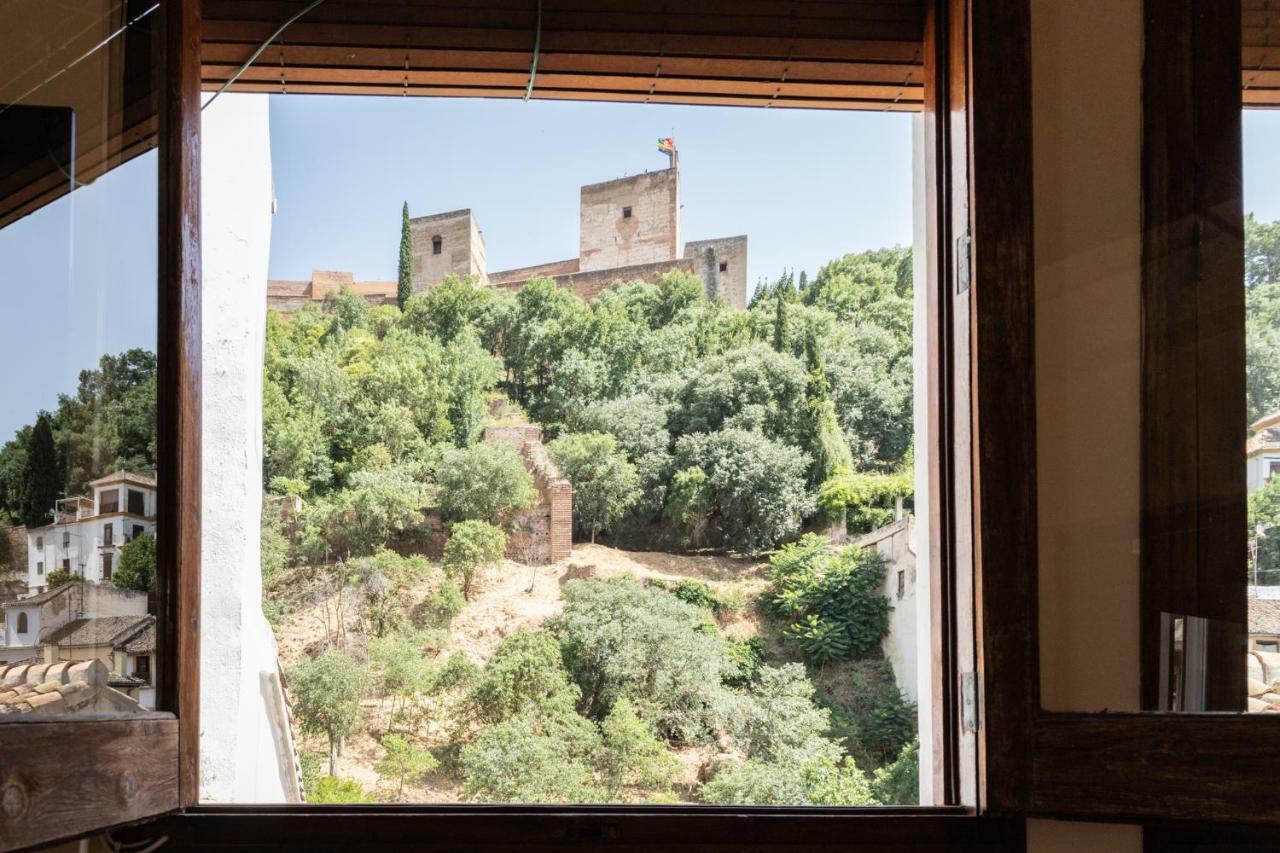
(724, 266)
(436, 243)
(626, 213)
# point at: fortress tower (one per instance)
(446, 244)
(630, 221)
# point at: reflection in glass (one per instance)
(78, 296)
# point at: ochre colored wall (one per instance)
(1086, 90)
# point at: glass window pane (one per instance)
(578, 487)
(78, 253)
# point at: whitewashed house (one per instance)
(87, 533)
(1262, 450)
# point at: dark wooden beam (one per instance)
(178, 387)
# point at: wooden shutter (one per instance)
(1261, 56)
(854, 54)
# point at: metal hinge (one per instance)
(969, 699)
(964, 261)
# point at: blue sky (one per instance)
(805, 187)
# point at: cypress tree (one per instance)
(780, 322)
(41, 482)
(405, 284)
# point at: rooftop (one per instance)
(125, 477)
(1264, 616)
(99, 631)
(41, 598)
(66, 686)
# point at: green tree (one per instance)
(472, 546)
(485, 482)
(525, 674)
(1264, 532)
(404, 762)
(41, 475)
(623, 640)
(605, 485)
(778, 713)
(404, 282)
(757, 487)
(137, 567)
(326, 698)
(533, 758)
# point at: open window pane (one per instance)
(78, 225)
(574, 487)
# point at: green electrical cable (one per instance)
(258, 52)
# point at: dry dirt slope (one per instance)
(511, 598)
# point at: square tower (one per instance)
(630, 221)
(446, 244)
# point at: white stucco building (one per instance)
(87, 533)
(1263, 450)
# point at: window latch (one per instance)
(969, 684)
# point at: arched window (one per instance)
(22, 623)
(436, 243)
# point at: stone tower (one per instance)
(630, 221)
(446, 244)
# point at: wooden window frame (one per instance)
(982, 503)
(143, 765)
(1150, 766)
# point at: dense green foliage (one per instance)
(405, 762)
(623, 640)
(485, 482)
(830, 598)
(106, 425)
(137, 567)
(605, 484)
(1264, 532)
(898, 783)
(1262, 316)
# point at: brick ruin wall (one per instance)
(544, 532)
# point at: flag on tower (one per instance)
(667, 145)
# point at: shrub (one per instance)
(757, 486)
(831, 599)
(605, 485)
(58, 577)
(864, 500)
(331, 789)
(275, 547)
(747, 656)
(624, 640)
(137, 567)
(796, 778)
(444, 603)
(405, 762)
(484, 482)
(630, 756)
(778, 715)
(457, 671)
(472, 545)
(898, 783)
(525, 673)
(533, 758)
